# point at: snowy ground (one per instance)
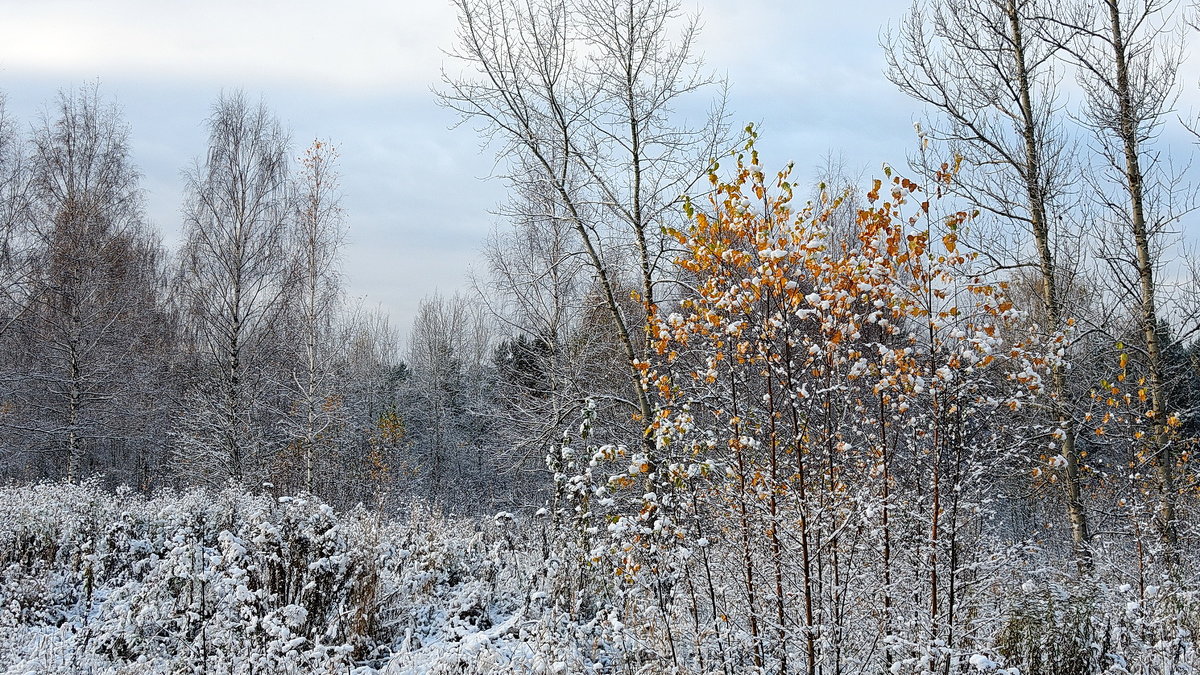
(229, 582)
(233, 583)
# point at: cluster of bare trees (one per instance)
(236, 359)
(584, 99)
(83, 297)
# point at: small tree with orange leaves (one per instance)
(824, 412)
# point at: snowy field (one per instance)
(235, 583)
(228, 582)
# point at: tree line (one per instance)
(237, 357)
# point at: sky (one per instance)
(361, 73)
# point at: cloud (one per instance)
(352, 44)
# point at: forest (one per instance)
(695, 413)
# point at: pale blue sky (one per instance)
(359, 72)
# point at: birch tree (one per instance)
(583, 97)
(235, 279)
(90, 335)
(14, 215)
(535, 291)
(14, 263)
(315, 237)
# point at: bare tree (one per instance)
(1127, 53)
(582, 96)
(371, 460)
(448, 349)
(535, 288)
(986, 71)
(235, 278)
(14, 262)
(14, 214)
(316, 238)
(92, 326)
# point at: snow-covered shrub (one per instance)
(203, 580)
(230, 582)
(1050, 631)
